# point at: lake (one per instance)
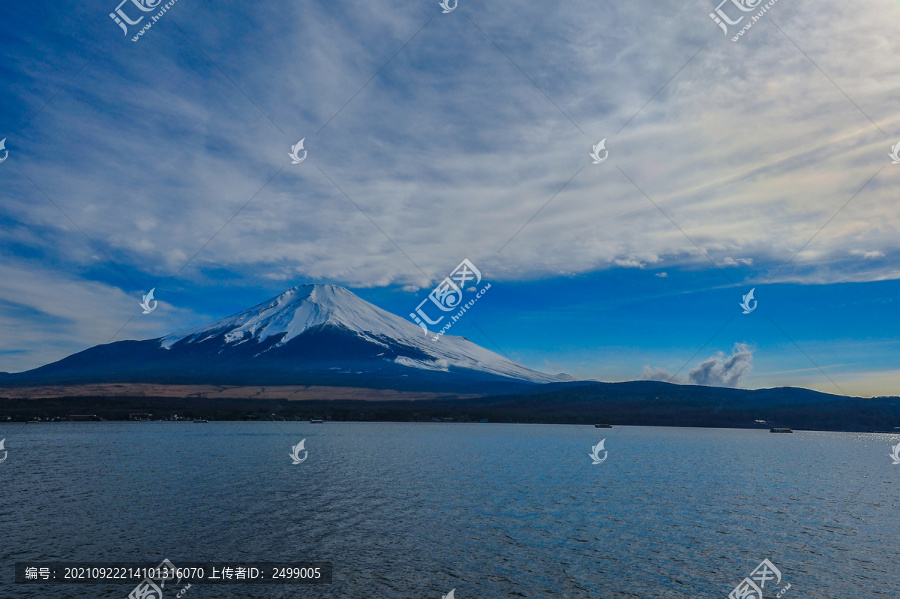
(491, 510)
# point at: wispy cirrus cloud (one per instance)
(432, 143)
(171, 154)
(46, 316)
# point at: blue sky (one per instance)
(436, 137)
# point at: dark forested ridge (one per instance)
(645, 403)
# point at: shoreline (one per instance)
(842, 415)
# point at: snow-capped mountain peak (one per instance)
(296, 311)
(308, 308)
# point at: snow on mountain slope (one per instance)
(303, 308)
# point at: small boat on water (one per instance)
(780, 430)
(201, 421)
(316, 421)
(602, 426)
(35, 421)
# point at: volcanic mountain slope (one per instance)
(308, 335)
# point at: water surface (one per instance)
(491, 510)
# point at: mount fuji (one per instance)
(309, 335)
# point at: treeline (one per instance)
(640, 403)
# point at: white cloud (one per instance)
(729, 261)
(47, 316)
(749, 149)
(450, 150)
(628, 263)
(659, 374)
(723, 371)
(718, 370)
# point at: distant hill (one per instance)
(652, 403)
